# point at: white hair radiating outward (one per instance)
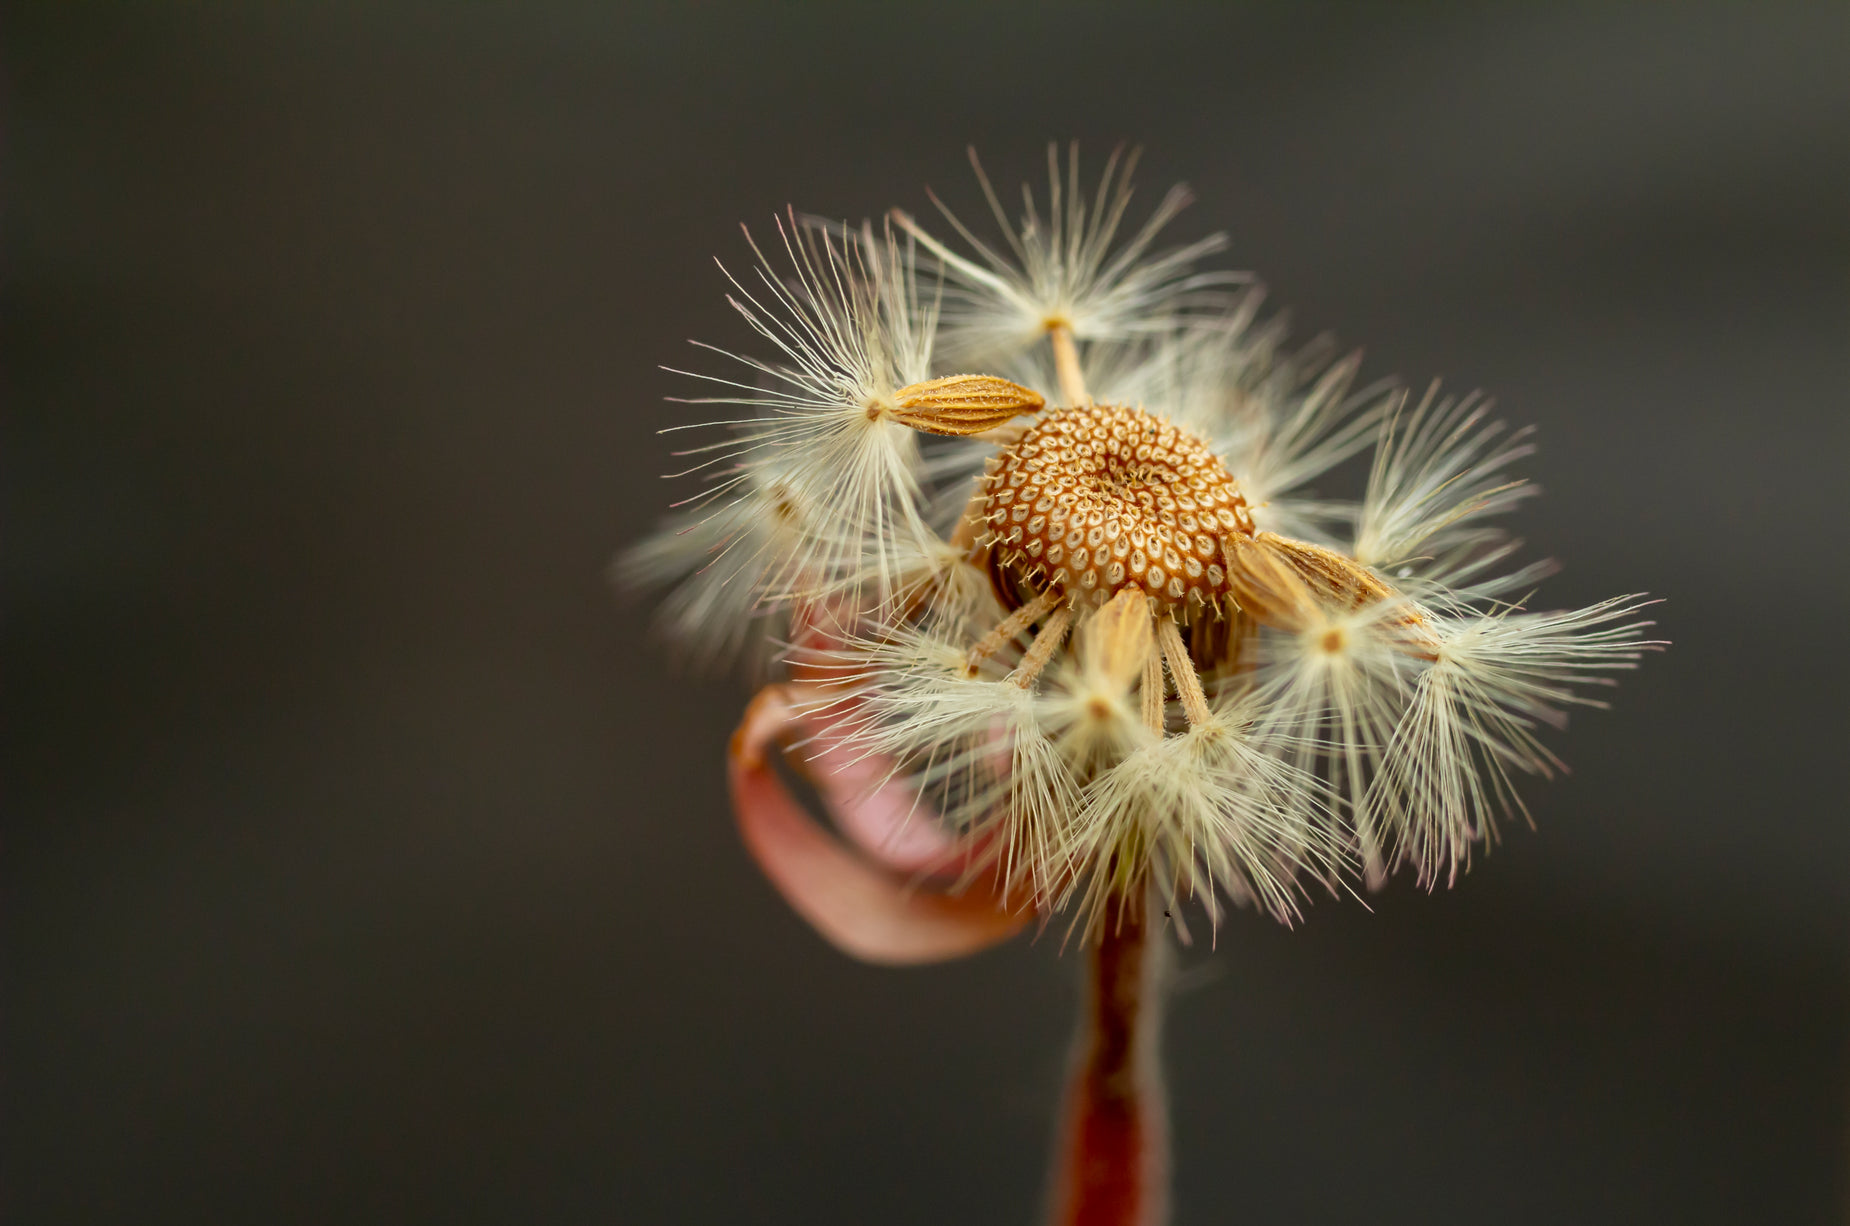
(1069, 268)
(1037, 531)
(851, 328)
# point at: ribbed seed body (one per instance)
(1100, 498)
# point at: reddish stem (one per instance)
(1113, 1164)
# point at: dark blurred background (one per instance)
(364, 861)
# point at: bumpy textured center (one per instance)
(1100, 498)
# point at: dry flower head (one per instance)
(1076, 598)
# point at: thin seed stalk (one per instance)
(1066, 365)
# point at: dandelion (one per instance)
(1066, 633)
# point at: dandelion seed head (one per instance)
(1036, 532)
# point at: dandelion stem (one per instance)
(1066, 365)
(1113, 1162)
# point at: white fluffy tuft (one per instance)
(851, 329)
(1068, 267)
(1474, 714)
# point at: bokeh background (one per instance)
(364, 860)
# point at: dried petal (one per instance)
(859, 908)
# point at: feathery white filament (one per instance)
(1332, 691)
(852, 330)
(975, 747)
(719, 561)
(1094, 721)
(1474, 714)
(1213, 811)
(1063, 269)
(1437, 470)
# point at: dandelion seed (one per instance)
(720, 561)
(1066, 269)
(1474, 715)
(852, 332)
